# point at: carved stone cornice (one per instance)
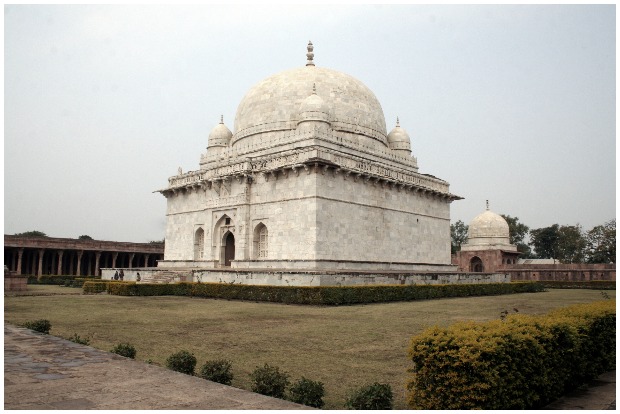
(312, 160)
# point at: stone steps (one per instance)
(161, 277)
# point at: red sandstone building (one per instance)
(59, 256)
(488, 249)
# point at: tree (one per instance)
(85, 237)
(571, 244)
(601, 243)
(545, 241)
(518, 232)
(458, 234)
(33, 233)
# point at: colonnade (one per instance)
(46, 256)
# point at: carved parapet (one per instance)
(311, 159)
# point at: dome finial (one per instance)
(221, 119)
(310, 54)
(397, 122)
(487, 205)
(314, 89)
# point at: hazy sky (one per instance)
(514, 104)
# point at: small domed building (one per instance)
(309, 179)
(488, 247)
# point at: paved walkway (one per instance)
(47, 372)
(599, 394)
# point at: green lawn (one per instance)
(344, 347)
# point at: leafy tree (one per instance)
(458, 234)
(545, 241)
(518, 233)
(601, 243)
(571, 244)
(33, 233)
(85, 237)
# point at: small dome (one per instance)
(488, 231)
(488, 224)
(314, 108)
(220, 135)
(398, 138)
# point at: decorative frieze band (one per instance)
(309, 159)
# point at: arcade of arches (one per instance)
(57, 256)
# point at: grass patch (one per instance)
(46, 290)
(343, 347)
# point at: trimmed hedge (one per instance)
(522, 362)
(312, 295)
(100, 286)
(592, 284)
(62, 280)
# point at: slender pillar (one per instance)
(20, 253)
(97, 257)
(53, 265)
(60, 253)
(79, 263)
(131, 260)
(146, 260)
(14, 260)
(40, 268)
(114, 256)
(71, 254)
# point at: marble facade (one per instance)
(310, 179)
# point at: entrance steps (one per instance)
(164, 277)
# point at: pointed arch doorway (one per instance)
(229, 249)
(476, 265)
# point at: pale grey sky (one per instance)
(515, 104)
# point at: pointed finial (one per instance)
(310, 54)
(487, 205)
(221, 119)
(314, 89)
(397, 122)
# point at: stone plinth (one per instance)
(292, 277)
(14, 282)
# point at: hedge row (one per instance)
(100, 286)
(312, 295)
(521, 362)
(593, 284)
(58, 279)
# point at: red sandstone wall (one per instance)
(547, 272)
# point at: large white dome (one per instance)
(274, 104)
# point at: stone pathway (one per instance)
(599, 394)
(47, 372)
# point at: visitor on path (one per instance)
(116, 275)
(121, 274)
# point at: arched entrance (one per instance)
(229, 248)
(475, 265)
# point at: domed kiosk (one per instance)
(488, 247)
(308, 179)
